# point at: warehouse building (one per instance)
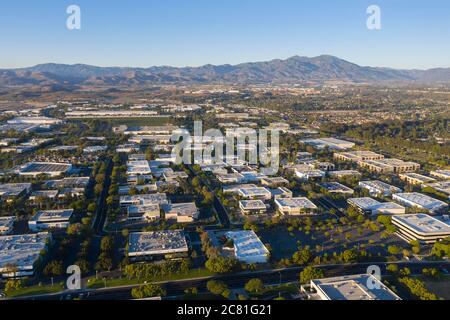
(34, 169)
(379, 188)
(70, 182)
(248, 248)
(22, 252)
(415, 178)
(421, 227)
(389, 166)
(157, 245)
(357, 156)
(336, 187)
(442, 186)
(6, 225)
(343, 173)
(421, 201)
(14, 190)
(306, 172)
(441, 174)
(141, 167)
(144, 199)
(331, 143)
(369, 206)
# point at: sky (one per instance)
(143, 33)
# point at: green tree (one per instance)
(148, 291)
(216, 287)
(310, 273)
(221, 264)
(254, 286)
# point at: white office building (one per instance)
(421, 227)
(295, 206)
(353, 287)
(248, 248)
(421, 201)
(50, 219)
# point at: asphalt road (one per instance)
(236, 281)
(101, 213)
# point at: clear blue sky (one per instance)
(414, 34)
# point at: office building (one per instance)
(157, 245)
(22, 252)
(353, 287)
(295, 206)
(50, 219)
(369, 206)
(421, 227)
(248, 248)
(421, 201)
(250, 207)
(379, 188)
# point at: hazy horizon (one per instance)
(413, 34)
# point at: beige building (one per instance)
(415, 178)
(389, 166)
(356, 156)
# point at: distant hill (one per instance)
(292, 70)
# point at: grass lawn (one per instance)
(35, 290)
(195, 273)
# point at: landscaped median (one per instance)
(96, 283)
(35, 290)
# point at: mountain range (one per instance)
(292, 70)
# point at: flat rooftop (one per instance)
(252, 205)
(354, 287)
(419, 199)
(335, 186)
(417, 176)
(157, 242)
(445, 174)
(81, 182)
(246, 243)
(442, 186)
(181, 209)
(52, 215)
(22, 250)
(13, 189)
(364, 203)
(145, 199)
(379, 185)
(423, 224)
(44, 167)
(372, 204)
(344, 173)
(294, 203)
(254, 192)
